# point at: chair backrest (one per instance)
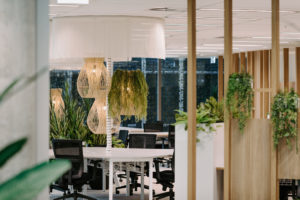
(157, 126)
(123, 135)
(70, 150)
(171, 136)
(143, 141)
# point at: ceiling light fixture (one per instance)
(80, 2)
(63, 5)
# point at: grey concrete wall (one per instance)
(18, 57)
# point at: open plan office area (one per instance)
(142, 100)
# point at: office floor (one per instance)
(122, 196)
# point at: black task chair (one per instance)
(142, 141)
(123, 135)
(71, 150)
(157, 126)
(171, 137)
(165, 178)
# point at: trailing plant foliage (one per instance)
(128, 95)
(284, 117)
(27, 182)
(239, 99)
(72, 124)
(215, 108)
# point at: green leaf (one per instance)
(10, 150)
(8, 89)
(29, 183)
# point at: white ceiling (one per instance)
(251, 22)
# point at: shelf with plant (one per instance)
(284, 115)
(239, 99)
(128, 95)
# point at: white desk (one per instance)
(120, 155)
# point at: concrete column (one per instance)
(24, 45)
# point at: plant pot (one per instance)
(208, 154)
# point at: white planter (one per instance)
(210, 154)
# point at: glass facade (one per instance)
(173, 85)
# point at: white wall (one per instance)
(23, 50)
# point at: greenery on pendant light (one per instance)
(284, 115)
(28, 182)
(128, 95)
(239, 99)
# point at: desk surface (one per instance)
(121, 154)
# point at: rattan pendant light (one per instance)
(57, 102)
(97, 116)
(94, 82)
(93, 78)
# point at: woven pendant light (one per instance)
(97, 116)
(57, 102)
(93, 78)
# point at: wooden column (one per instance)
(243, 62)
(159, 81)
(275, 84)
(266, 84)
(286, 69)
(261, 83)
(192, 99)
(227, 66)
(220, 79)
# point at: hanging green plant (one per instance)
(128, 95)
(284, 117)
(239, 99)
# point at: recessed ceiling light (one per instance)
(81, 2)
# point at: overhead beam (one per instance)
(275, 84)
(192, 100)
(227, 67)
(220, 78)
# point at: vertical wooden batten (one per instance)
(249, 62)
(275, 84)
(261, 83)
(266, 84)
(286, 68)
(227, 66)
(192, 99)
(235, 63)
(243, 62)
(220, 78)
(297, 57)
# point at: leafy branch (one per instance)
(239, 99)
(284, 117)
